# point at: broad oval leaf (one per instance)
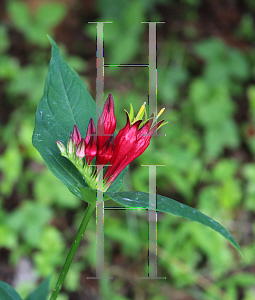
(7, 292)
(168, 205)
(65, 102)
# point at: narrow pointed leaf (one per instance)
(42, 291)
(65, 102)
(167, 205)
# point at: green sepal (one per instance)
(131, 113)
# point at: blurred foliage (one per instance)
(206, 70)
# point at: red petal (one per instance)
(91, 130)
(123, 146)
(107, 122)
(91, 149)
(141, 145)
(152, 130)
(81, 149)
(104, 154)
(76, 134)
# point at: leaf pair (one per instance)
(40, 293)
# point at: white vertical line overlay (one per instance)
(100, 196)
(152, 61)
(100, 229)
(152, 101)
(152, 224)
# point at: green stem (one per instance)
(73, 249)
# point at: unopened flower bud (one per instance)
(62, 148)
(76, 135)
(71, 144)
(107, 122)
(91, 131)
(91, 142)
(81, 149)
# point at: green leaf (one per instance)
(164, 204)
(89, 195)
(41, 292)
(65, 102)
(7, 292)
(4, 39)
(19, 14)
(51, 14)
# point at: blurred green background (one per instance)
(206, 70)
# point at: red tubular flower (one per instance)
(129, 143)
(90, 142)
(107, 122)
(104, 154)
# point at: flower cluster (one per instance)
(129, 143)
